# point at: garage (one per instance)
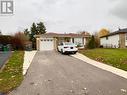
(46, 44)
(50, 41)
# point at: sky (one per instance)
(66, 16)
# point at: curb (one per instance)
(100, 65)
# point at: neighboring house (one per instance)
(50, 41)
(117, 39)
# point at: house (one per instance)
(50, 41)
(117, 39)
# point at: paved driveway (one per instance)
(54, 74)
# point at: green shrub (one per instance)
(91, 43)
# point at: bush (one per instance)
(19, 40)
(91, 43)
(5, 39)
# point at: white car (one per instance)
(67, 47)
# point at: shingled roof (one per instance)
(62, 35)
(120, 31)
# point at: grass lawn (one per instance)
(113, 57)
(11, 76)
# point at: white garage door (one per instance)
(46, 44)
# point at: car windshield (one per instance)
(69, 43)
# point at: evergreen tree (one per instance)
(33, 33)
(41, 29)
(26, 32)
(36, 29)
(92, 44)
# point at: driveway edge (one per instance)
(3, 66)
(100, 65)
(28, 57)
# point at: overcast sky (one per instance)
(66, 15)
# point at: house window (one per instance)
(107, 38)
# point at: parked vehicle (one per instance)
(67, 47)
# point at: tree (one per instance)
(103, 32)
(32, 34)
(33, 29)
(97, 39)
(84, 33)
(26, 32)
(91, 43)
(19, 40)
(41, 29)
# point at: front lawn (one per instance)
(113, 57)
(11, 76)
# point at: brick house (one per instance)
(50, 41)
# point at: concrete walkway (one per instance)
(28, 57)
(103, 66)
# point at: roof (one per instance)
(62, 35)
(120, 31)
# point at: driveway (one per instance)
(4, 57)
(54, 74)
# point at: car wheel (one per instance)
(74, 52)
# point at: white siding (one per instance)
(111, 41)
(79, 41)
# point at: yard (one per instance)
(11, 76)
(113, 57)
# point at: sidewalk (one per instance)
(103, 66)
(28, 57)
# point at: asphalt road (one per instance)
(4, 57)
(54, 74)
